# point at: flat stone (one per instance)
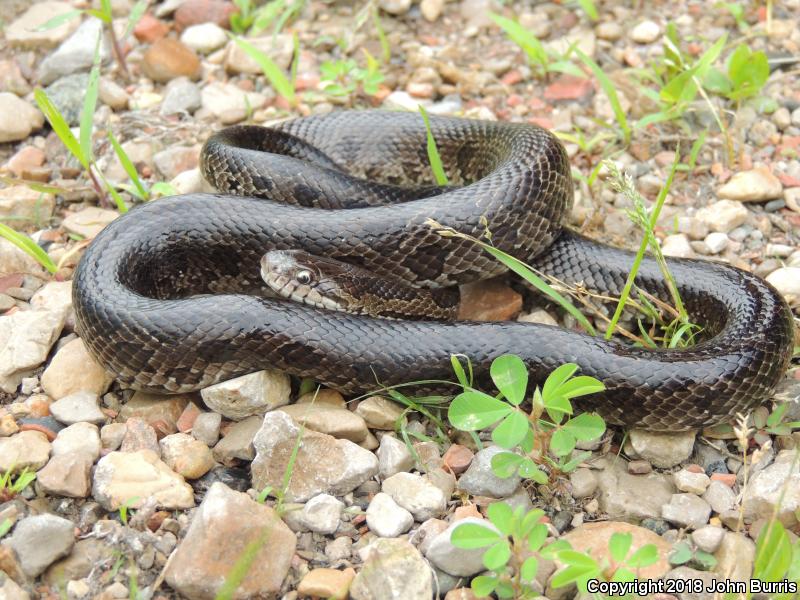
(490, 300)
(168, 58)
(278, 48)
(584, 483)
(181, 96)
(687, 510)
(67, 475)
(393, 568)
(139, 435)
(237, 444)
(78, 407)
(231, 523)
(480, 480)
(9, 590)
(326, 418)
(204, 37)
(645, 32)
(79, 437)
(229, 103)
(395, 7)
(248, 395)
(626, 496)
(417, 494)
(22, 202)
(24, 31)
(386, 518)
(186, 456)
(775, 487)
(393, 456)
(326, 583)
(461, 562)
(24, 450)
(89, 221)
(787, 281)
(77, 52)
(323, 463)
(113, 95)
(322, 514)
(687, 481)
(133, 477)
(194, 12)
(457, 459)
(663, 450)
(85, 556)
(756, 185)
(593, 538)
(17, 118)
(723, 216)
(379, 412)
(26, 338)
(720, 497)
(40, 540)
(206, 428)
(709, 538)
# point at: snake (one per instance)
(169, 299)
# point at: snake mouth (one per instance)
(279, 270)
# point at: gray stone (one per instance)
(238, 442)
(393, 457)
(775, 487)
(67, 94)
(17, 118)
(206, 428)
(708, 538)
(322, 514)
(26, 338)
(720, 497)
(457, 561)
(40, 540)
(723, 216)
(386, 518)
(584, 483)
(76, 53)
(735, 557)
(663, 450)
(686, 574)
(417, 494)
(689, 481)
(686, 510)
(480, 480)
(78, 407)
(67, 475)
(248, 395)
(180, 96)
(625, 496)
(393, 568)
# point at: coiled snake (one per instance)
(168, 297)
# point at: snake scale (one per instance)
(168, 297)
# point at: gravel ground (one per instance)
(143, 495)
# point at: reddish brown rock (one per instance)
(457, 459)
(149, 29)
(490, 300)
(569, 87)
(194, 12)
(168, 59)
(26, 158)
(139, 436)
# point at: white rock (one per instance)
(88, 221)
(248, 395)
(72, 370)
(776, 486)
(67, 475)
(716, 242)
(185, 455)
(393, 456)
(686, 510)
(22, 202)
(723, 216)
(431, 9)
(80, 437)
(663, 450)
(76, 54)
(229, 103)
(708, 538)
(677, 245)
(392, 568)
(400, 100)
(204, 38)
(24, 450)
(25, 341)
(787, 281)
(17, 118)
(584, 483)
(689, 481)
(278, 48)
(416, 494)
(322, 514)
(386, 518)
(77, 407)
(133, 477)
(756, 185)
(395, 7)
(190, 182)
(645, 32)
(457, 561)
(480, 480)
(24, 31)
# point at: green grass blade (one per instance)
(137, 12)
(121, 206)
(241, 567)
(433, 151)
(589, 8)
(90, 104)
(272, 72)
(610, 91)
(59, 125)
(126, 163)
(59, 20)
(27, 245)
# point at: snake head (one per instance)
(315, 280)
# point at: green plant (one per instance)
(27, 245)
(535, 436)
(433, 151)
(747, 73)
(542, 59)
(773, 423)
(274, 74)
(345, 77)
(5, 527)
(683, 553)
(11, 487)
(124, 508)
(253, 19)
(105, 14)
(513, 547)
(580, 568)
(589, 8)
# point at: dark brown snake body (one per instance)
(166, 297)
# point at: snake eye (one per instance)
(303, 277)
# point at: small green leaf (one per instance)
(619, 545)
(681, 554)
(511, 430)
(473, 410)
(473, 535)
(586, 426)
(433, 152)
(529, 569)
(502, 516)
(529, 521)
(530, 470)
(562, 442)
(483, 585)
(552, 550)
(510, 375)
(579, 567)
(59, 20)
(537, 537)
(705, 560)
(458, 369)
(557, 378)
(27, 245)
(580, 386)
(504, 590)
(623, 574)
(776, 415)
(526, 445)
(505, 464)
(497, 556)
(60, 126)
(773, 552)
(127, 165)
